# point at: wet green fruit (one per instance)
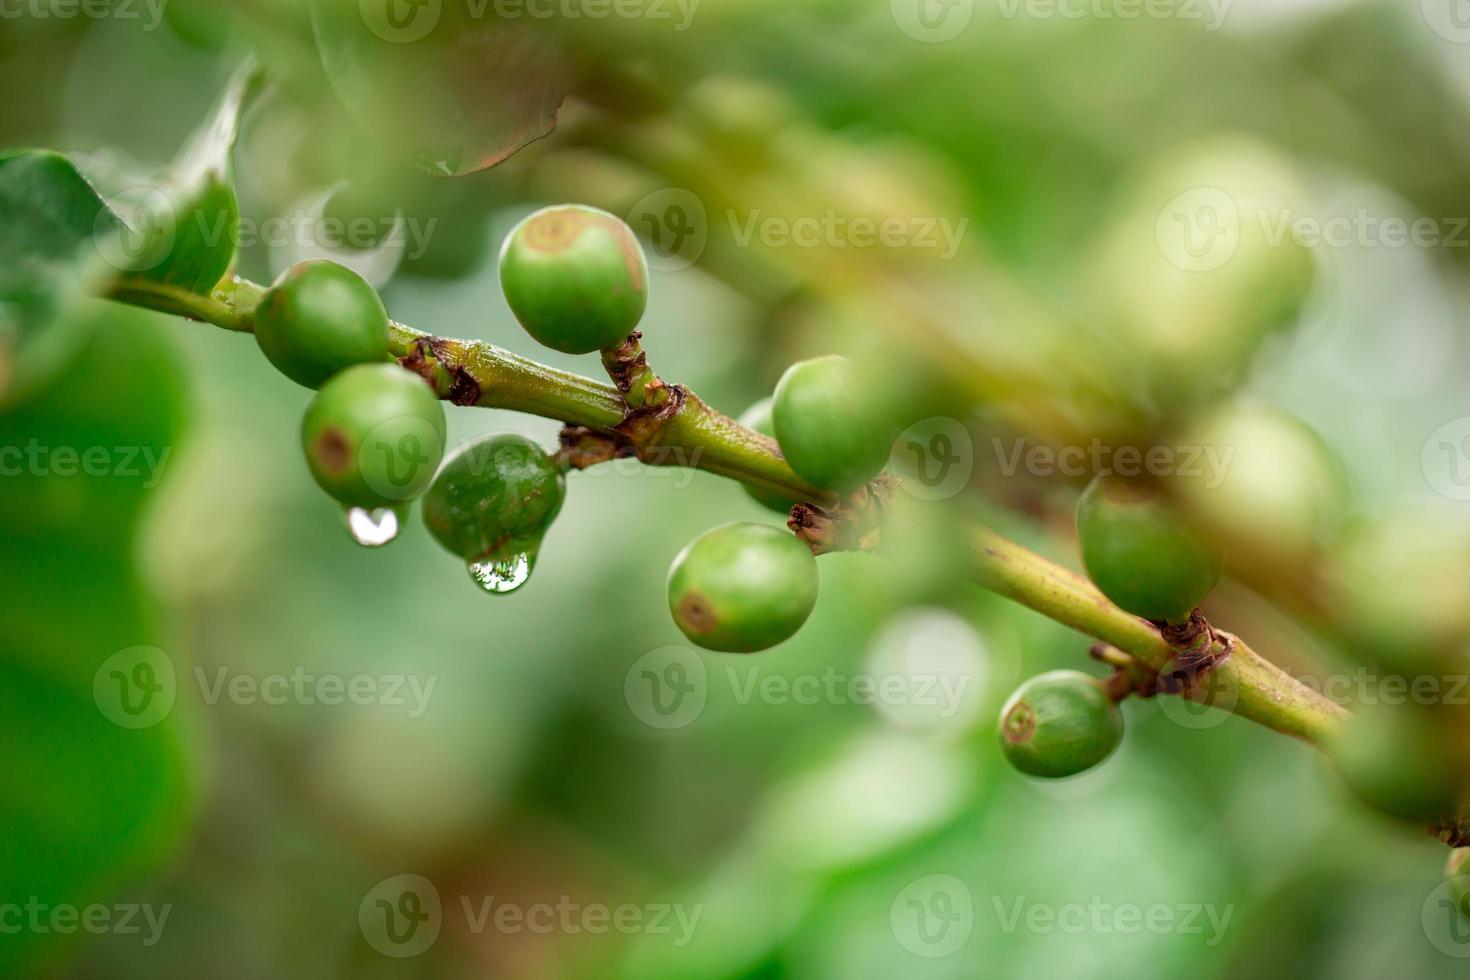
(1395, 758)
(742, 588)
(319, 318)
(1059, 724)
(1140, 554)
(758, 417)
(374, 435)
(491, 505)
(827, 430)
(575, 277)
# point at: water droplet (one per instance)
(501, 575)
(372, 528)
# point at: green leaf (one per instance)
(184, 230)
(85, 803)
(462, 90)
(49, 215)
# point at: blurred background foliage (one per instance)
(792, 827)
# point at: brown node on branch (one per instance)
(854, 524)
(1198, 649)
(622, 361)
(582, 448)
(1130, 676)
(641, 426)
(1453, 829)
(431, 358)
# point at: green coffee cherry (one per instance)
(1421, 622)
(1140, 554)
(575, 277)
(742, 588)
(758, 417)
(1059, 724)
(1266, 482)
(1189, 270)
(319, 318)
(373, 436)
(828, 432)
(1457, 873)
(1396, 759)
(491, 505)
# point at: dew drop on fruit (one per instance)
(371, 528)
(502, 575)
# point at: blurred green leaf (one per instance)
(462, 92)
(48, 216)
(84, 801)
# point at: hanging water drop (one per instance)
(372, 528)
(501, 575)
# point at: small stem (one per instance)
(627, 365)
(1244, 683)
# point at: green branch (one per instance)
(1245, 683)
(681, 430)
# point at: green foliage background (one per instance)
(791, 826)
